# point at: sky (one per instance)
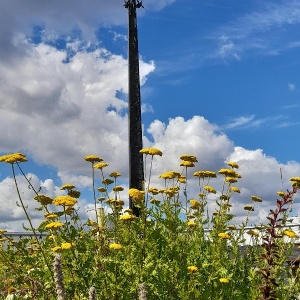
(219, 80)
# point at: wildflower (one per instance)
(188, 164)
(191, 224)
(170, 175)
(224, 197)
(64, 200)
(154, 201)
(2, 231)
(120, 202)
(102, 189)
(195, 203)
(290, 233)
(100, 165)
(54, 225)
(127, 217)
(235, 189)
(69, 210)
(115, 174)
(67, 246)
(115, 246)
(202, 195)
(224, 235)
(230, 179)
(68, 186)
(249, 207)
(136, 194)
(281, 194)
(224, 280)
(233, 164)
(256, 199)
(93, 158)
(101, 199)
(107, 181)
(50, 216)
(44, 200)
(11, 290)
(13, 158)
(129, 210)
(231, 227)
(118, 189)
(153, 190)
(91, 223)
(192, 269)
(190, 158)
(151, 151)
(295, 179)
(56, 248)
(227, 172)
(182, 179)
(210, 189)
(74, 194)
(252, 232)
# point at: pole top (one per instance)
(137, 3)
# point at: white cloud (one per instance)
(291, 86)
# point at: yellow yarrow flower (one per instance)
(224, 235)
(295, 179)
(256, 199)
(93, 158)
(115, 174)
(54, 225)
(249, 207)
(13, 158)
(56, 248)
(195, 203)
(230, 179)
(192, 269)
(127, 217)
(151, 151)
(67, 186)
(252, 232)
(227, 172)
(235, 189)
(191, 224)
(118, 189)
(107, 181)
(224, 280)
(136, 194)
(187, 163)
(153, 190)
(190, 158)
(102, 189)
(100, 165)
(64, 200)
(50, 216)
(233, 164)
(210, 189)
(281, 194)
(290, 233)
(115, 246)
(44, 200)
(67, 246)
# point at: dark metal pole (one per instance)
(136, 167)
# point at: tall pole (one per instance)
(136, 167)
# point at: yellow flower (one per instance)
(281, 194)
(54, 225)
(151, 151)
(120, 202)
(11, 290)
(44, 200)
(115, 174)
(118, 189)
(101, 198)
(192, 269)
(64, 200)
(153, 190)
(256, 199)
(290, 233)
(56, 248)
(2, 231)
(68, 186)
(67, 246)
(107, 181)
(233, 164)
(93, 158)
(231, 227)
(191, 224)
(190, 158)
(187, 163)
(50, 216)
(127, 217)
(230, 179)
(115, 246)
(195, 203)
(74, 193)
(227, 172)
(136, 194)
(235, 189)
(170, 175)
(252, 232)
(210, 189)
(224, 280)
(224, 235)
(13, 158)
(91, 223)
(154, 201)
(129, 210)
(100, 165)
(102, 189)
(295, 179)
(249, 207)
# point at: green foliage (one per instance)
(168, 247)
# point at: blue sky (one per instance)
(219, 80)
